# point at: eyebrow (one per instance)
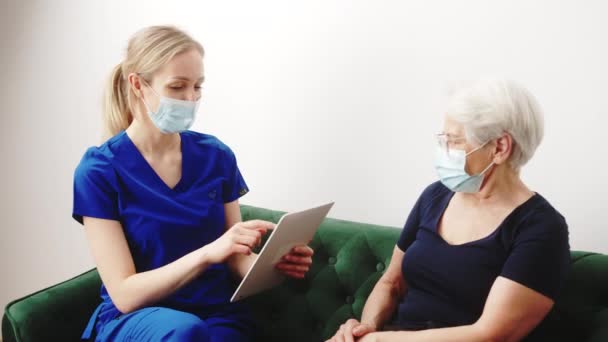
(184, 78)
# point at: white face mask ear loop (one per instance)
(142, 97)
(146, 104)
(476, 149)
(487, 168)
(491, 164)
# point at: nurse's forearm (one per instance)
(146, 288)
(240, 264)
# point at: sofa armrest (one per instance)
(57, 313)
(584, 303)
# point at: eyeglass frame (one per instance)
(444, 139)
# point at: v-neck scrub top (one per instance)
(161, 224)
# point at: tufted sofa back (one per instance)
(349, 259)
(583, 304)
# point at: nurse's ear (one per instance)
(136, 84)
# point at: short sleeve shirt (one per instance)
(161, 224)
(449, 284)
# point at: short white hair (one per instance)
(488, 108)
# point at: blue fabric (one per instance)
(164, 324)
(449, 284)
(161, 224)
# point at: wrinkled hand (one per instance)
(239, 239)
(352, 330)
(371, 337)
(296, 263)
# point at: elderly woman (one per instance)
(481, 257)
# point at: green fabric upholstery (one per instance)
(57, 313)
(585, 298)
(349, 258)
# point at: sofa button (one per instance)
(350, 300)
(380, 267)
(331, 260)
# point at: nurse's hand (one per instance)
(239, 239)
(297, 262)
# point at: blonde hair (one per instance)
(148, 50)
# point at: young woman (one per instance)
(160, 208)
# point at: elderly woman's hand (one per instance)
(372, 337)
(354, 330)
(297, 262)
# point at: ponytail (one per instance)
(117, 115)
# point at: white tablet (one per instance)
(293, 229)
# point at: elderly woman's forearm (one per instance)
(468, 333)
(381, 303)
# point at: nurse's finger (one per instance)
(292, 267)
(303, 250)
(258, 224)
(296, 259)
(244, 231)
(240, 249)
(248, 241)
(248, 232)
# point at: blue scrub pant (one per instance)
(164, 324)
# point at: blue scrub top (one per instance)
(448, 284)
(115, 182)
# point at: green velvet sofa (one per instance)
(349, 258)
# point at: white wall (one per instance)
(319, 99)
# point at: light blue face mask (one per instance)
(173, 116)
(450, 168)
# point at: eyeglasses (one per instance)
(445, 140)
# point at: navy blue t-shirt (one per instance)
(448, 284)
(162, 224)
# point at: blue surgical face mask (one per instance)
(450, 166)
(173, 116)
